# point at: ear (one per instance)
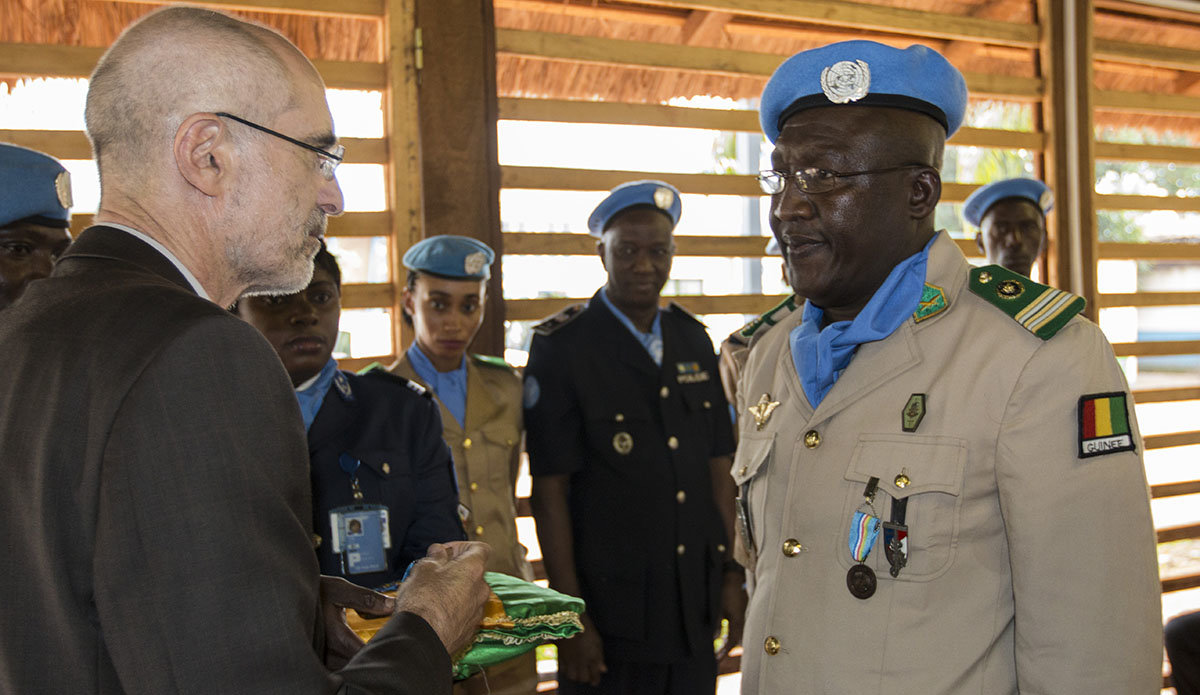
(600, 248)
(406, 296)
(924, 193)
(979, 242)
(203, 154)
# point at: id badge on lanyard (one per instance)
(361, 537)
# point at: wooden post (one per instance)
(457, 92)
(404, 149)
(1066, 64)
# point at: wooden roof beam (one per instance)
(588, 9)
(705, 27)
(959, 52)
(326, 8)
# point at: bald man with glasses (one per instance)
(156, 505)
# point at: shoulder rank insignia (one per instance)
(679, 309)
(492, 361)
(933, 302)
(767, 319)
(1040, 309)
(558, 320)
(378, 371)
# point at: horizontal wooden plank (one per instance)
(1158, 347)
(1124, 152)
(73, 144)
(1146, 54)
(334, 8)
(1178, 533)
(720, 61)
(1190, 487)
(871, 17)
(1150, 251)
(50, 60)
(1146, 202)
(533, 309)
(1190, 581)
(356, 224)
(1149, 299)
(1174, 439)
(368, 295)
(1183, 393)
(1146, 102)
(564, 179)
(730, 120)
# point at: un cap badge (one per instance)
(846, 81)
(62, 186)
(474, 262)
(664, 197)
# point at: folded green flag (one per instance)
(519, 616)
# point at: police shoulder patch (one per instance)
(559, 320)
(678, 308)
(492, 361)
(768, 318)
(1040, 309)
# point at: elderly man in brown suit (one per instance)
(155, 507)
(940, 469)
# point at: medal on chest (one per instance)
(864, 530)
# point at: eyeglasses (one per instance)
(814, 180)
(328, 161)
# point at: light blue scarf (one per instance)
(312, 396)
(652, 341)
(821, 354)
(450, 387)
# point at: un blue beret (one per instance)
(865, 73)
(451, 256)
(33, 185)
(979, 202)
(658, 194)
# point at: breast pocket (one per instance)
(750, 466)
(925, 472)
(622, 437)
(385, 477)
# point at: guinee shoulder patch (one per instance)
(1040, 309)
(1104, 424)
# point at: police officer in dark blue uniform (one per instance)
(382, 480)
(629, 441)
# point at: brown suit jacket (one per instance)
(155, 507)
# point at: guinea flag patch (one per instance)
(1104, 425)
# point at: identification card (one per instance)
(361, 537)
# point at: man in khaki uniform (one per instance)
(940, 471)
(480, 401)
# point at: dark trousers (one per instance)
(1182, 637)
(695, 676)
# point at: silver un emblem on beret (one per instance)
(664, 197)
(62, 186)
(474, 262)
(1046, 200)
(846, 81)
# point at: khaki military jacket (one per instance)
(1029, 569)
(486, 458)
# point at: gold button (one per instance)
(673, 443)
(509, 442)
(478, 530)
(680, 550)
(812, 439)
(902, 481)
(681, 497)
(467, 444)
(720, 547)
(985, 277)
(707, 405)
(316, 540)
(620, 417)
(771, 646)
(792, 547)
(386, 468)
(742, 470)
(664, 392)
(474, 486)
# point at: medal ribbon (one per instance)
(864, 530)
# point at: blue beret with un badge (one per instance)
(657, 194)
(979, 202)
(450, 256)
(34, 187)
(865, 73)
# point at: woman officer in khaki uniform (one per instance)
(480, 399)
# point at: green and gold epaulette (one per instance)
(1040, 309)
(559, 320)
(768, 318)
(492, 361)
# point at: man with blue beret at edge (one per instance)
(480, 401)
(1011, 218)
(926, 514)
(35, 216)
(629, 442)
